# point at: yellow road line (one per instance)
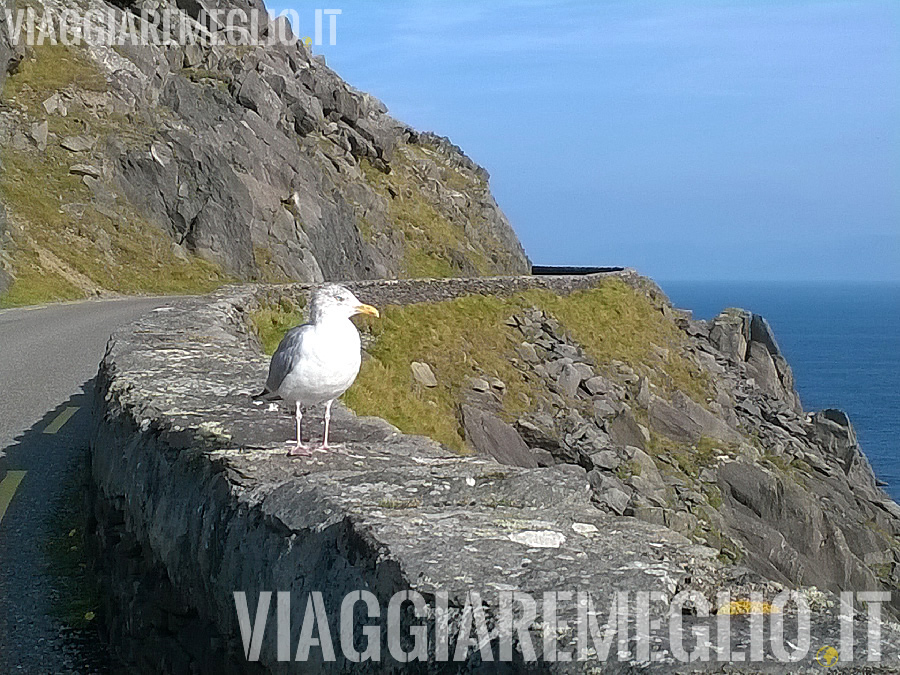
(61, 419)
(8, 488)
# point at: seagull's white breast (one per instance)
(328, 363)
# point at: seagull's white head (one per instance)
(336, 302)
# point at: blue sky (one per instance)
(691, 140)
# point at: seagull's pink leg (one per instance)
(327, 421)
(299, 448)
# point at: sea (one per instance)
(843, 343)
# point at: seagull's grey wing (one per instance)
(285, 357)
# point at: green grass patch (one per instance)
(435, 247)
(778, 462)
(272, 321)
(461, 338)
(50, 69)
(882, 571)
(713, 496)
(35, 285)
(455, 179)
(797, 470)
(688, 459)
(615, 322)
(729, 551)
(628, 469)
(366, 229)
(707, 449)
(873, 525)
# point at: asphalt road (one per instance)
(48, 358)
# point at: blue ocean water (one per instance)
(843, 343)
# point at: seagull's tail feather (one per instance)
(266, 395)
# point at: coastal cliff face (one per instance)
(741, 467)
(618, 445)
(135, 168)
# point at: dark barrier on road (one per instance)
(554, 270)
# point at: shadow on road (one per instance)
(48, 598)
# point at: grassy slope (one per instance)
(615, 322)
(63, 245)
(469, 337)
(273, 321)
(433, 243)
(459, 339)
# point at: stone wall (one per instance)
(407, 291)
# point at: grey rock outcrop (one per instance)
(745, 337)
(495, 438)
(686, 420)
(730, 332)
(799, 541)
(798, 496)
(836, 436)
(668, 421)
(265, 162)
(624, 430)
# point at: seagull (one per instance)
(318, 361)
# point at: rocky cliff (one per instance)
(618, 445)
(7, 63)
(220, 162)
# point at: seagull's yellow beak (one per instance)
(367, 309)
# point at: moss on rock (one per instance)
(435, 246)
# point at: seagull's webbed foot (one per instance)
(298, 450)
(330, 448)
(342, 449)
